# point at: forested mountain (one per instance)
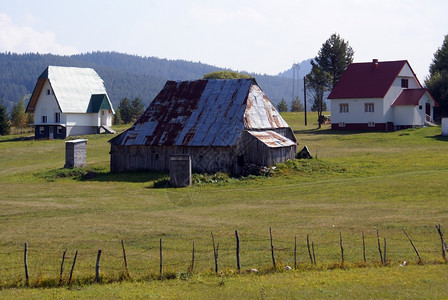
(124, 75)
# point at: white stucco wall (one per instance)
(75, 119)
(356, 112)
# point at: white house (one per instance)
(381, 96)
(69, 101)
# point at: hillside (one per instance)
(124, 75)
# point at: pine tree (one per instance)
(296, 105)
(125, 109)
(334, 57)
(137, 108)
(437, 82)
(5, 127)
(282, 106)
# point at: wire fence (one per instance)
(169, 257)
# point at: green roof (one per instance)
(97, 102)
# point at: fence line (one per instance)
(222, 252)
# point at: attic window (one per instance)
(48, 92)
(57, 117)
(44, 119)
(404, 83)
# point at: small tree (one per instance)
(137, 108)
(117, 117)
(282, 106)
(18, 116)
(125, 109)
(5, 126)
(318, 82)
(226, 75)
(296, 105)
(437, 82)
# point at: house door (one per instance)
(51, 134)
(428, 109)
(103, 117)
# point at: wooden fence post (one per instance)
(415, 249)
(25, 260)
(73, 267)
(308, 245)
(385, 252)
(124, 259)
(97, 267)
(62, 267)
(215, 253)
(272, 249)
(192, 260)
(161, 261)
(295, 252)
(363, 247)
(238, 265)
(342, 248)
(444, 246)
(314, 256)
(379, 247)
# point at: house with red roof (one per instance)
(380, 96)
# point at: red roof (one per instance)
(367, 80)
(411, 97)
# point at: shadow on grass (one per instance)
(328, 131)
(17, 139)
(136, 177)
(438, 137)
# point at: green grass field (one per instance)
(361, 182)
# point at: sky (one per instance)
(258, 36)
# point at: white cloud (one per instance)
(22, 39)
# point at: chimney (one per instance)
(375, 64)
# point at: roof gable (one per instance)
(367, 80)
(202, 113)
(98, 102)
(72, 87)
(411, 97)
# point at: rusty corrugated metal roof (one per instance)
(272, 139)
(203, 113)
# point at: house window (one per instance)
(57, 117)
(341, 124)
(404, 83)
(59, 130)
(41, 129)
(343, 108)
(369, 107)
(420, 107)
(44, 119)
(371, 124)
(48, 92)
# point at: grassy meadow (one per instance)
(360, 182)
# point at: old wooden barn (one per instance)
(224, 125)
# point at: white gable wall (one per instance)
(396, 89)
(46, 106)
